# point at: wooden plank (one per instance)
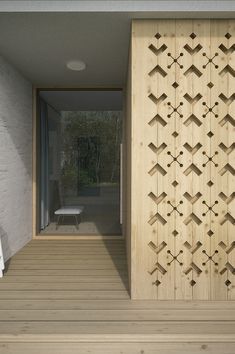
(98, 245)
(71, 257)
(63, 279)
(54, 286)
(119, 240)
(69, 251)
(183, 233)
(114, 241)
(117, 348)
(63, 304)
(62, 266)
(64, 294)
(75, 272)
(169, 329)
(80, 248)
(75, 261)
(220, 232)
(86, 244)
(201, 274)
(141, 163)
(72, 237)
(117, 315)
(231, 161)
(166, 290)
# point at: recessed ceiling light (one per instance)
(76, 65)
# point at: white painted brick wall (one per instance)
(15, 159)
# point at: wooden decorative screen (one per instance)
(183, 215)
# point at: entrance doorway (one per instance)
(79, 162)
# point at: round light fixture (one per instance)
(76, 65)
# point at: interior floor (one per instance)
(72, 297)
(93, 220)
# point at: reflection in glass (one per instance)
(83, 172)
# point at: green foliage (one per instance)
(69, 176)
(104, 167)
(84, 178)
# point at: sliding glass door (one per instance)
(80, 171)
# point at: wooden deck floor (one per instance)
(68, 297)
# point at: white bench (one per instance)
(1, 260)
(74, 211)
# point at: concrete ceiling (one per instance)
(40, 43)
(84, 100)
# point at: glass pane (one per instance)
(84, 172)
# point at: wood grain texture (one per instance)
(183, 172)
(117, 348)
(77, 309)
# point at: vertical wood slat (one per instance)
(231, 161)
(152, 191)
(201, 290)
(142, 112)
(182, 253)
(164, 181)
(220, 232)
(184, 277)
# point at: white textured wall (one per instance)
(15, 159)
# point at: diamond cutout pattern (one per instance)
(175, 134)
(228, 35)
(175, 184)
(192, 282)
(210, 134)
(193, 35)
(157, 282)
(210, 183)
(210, 84)
(200, 137)
(175, 85)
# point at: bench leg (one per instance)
(76, 221)
(57, 223)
